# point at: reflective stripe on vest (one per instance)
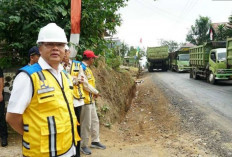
(26, 127)
(91, 80)
(52, 136)
(26, 144)
(77, 89)
(69, 81)
(76, 67)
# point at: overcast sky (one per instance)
(167, 19)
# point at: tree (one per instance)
(229, 29)
(230, 19)
(99, 16)
(221, 33)
(21, 20)
(124, 50)
(172, 45)
(199, 32)
(132, 51)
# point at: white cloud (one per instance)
(166, 19)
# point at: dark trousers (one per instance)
(3, 127)
(78, 114)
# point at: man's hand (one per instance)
(96, 96)
(81, 79)
(78, 80)
(16, 121)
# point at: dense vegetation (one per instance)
(21, 20)
(200, 33)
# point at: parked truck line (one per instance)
(212, 61)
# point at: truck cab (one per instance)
(218, 69)
(182, 63)
(179, 60)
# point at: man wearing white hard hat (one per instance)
(41, 103)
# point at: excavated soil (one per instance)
(151, 128)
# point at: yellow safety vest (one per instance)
(91, 80)
(50, 124)
(78, 92)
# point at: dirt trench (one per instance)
(151, 128)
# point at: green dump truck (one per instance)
(179, 60)
(157, 58)
(212, 61)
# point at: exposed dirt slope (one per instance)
(151, 128)
(116, 88)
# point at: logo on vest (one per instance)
(44, 88)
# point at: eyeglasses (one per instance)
(51, 45)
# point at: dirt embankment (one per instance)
(151, 128)
(117, 90)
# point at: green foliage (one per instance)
(113, 60)
(119, 49)
(99, 16)
(133, 56)
(199, 32)
(172, 45)
(20, 22)
(108, 125)
(221, 33)
(230, 19)
(124, 49)
(102, 111)
(105, 108)
(229, 30)
(132, 52)
(5, 62)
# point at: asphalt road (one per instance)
(213, 100)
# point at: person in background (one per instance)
(3, 126)
(41, 103)
(89, 119)
(66, 62)
(74, 68)
(33, 55)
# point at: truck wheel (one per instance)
(165, 69)
(211, 78)
(177, 69)
(150, 69)
(191, 73)
(172, 69)
(195, 77)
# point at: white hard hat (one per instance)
(66, 47)
(52, 33)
